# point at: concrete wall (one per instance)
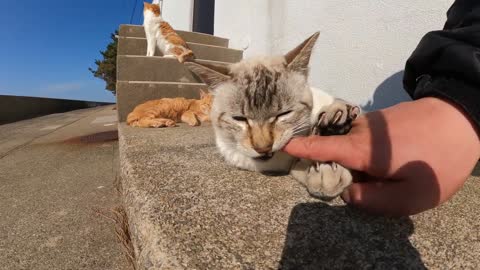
(179, 13)
(246, 23)
(16, 108)
(363, 44)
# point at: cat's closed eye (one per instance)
(239, 118)
(283, 114)
(279, 116)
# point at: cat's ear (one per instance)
(299, 58)
(208, 75)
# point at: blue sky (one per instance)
(46, 47)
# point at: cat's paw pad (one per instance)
(336, 118)
(326, 181)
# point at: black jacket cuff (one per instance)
(463, 94)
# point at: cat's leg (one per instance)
(154, 122)
(151, 45)
(168, 52)
(203, 117)
(327, 180)
(190, 118)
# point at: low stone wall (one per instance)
(16, 108)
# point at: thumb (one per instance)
(339, 149)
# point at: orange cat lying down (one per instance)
(166, 112)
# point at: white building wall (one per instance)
(246, 23)
(363, 44)
(179, 13)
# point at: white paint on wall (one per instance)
(179, 13)
(363, 44)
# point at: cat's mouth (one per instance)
(265, 157)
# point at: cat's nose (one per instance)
(263, 149)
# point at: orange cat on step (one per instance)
(160, 33)
(166, 112)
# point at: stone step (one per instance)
(188, 209)
(156, 68)
(127, 30)
(133, 93)
(138, 46)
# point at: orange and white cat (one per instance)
(160, 33)
(166, 112)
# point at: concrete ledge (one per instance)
(156, 69)
(16, 108)
(131, 94)
(127, 30)
(188, 210)
(138, 46)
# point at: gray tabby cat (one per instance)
(261, 103)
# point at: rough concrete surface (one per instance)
(17, 134)
(50, 184)
(189, 210)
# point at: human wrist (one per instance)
(453, 113)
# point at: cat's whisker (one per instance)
(303, 122)
(302, 125)
(300, 132)
(298, 129)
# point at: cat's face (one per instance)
(260, 104)
(154, 8)
(262, 107)
(206, 102)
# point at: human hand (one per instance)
(411, 157)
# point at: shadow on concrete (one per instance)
(320, 236)
(476, 170)
(387, 94)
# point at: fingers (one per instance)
(391, 198)
(339, 149)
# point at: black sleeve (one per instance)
(446, 63)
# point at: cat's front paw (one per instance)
(158, 123)
(326, 181)
(336, 118)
